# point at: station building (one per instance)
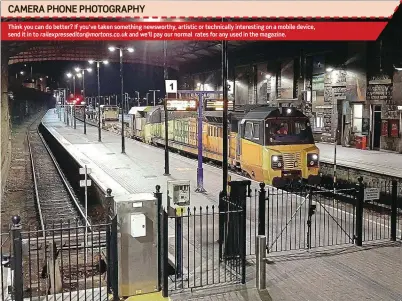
(351, 91)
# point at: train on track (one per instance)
(267, 144)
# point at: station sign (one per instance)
(216, 105)
(181, 105)
(371, 194)
(171, 86)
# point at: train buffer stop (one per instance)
(190, 252)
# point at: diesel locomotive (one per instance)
(267, 144)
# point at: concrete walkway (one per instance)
(385, 163)
(371, 272)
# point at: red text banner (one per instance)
(294, 31)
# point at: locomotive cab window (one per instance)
(256, 131)
(248, 130)
(288, 131)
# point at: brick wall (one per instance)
(5, 121)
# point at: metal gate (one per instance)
(204, 246)
(320, 217)
(310, 217)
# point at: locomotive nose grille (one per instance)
(292, 161)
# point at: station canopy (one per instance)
(146, 52)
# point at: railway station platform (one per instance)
(378, 162)
(372, 272)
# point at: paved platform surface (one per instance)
(351, 273)
(380, 162)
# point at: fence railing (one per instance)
(193, 240)
(65, 262)
(318, 216)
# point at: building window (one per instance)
(357, 117)
(318, 122)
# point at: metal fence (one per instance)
(65, 261)
(193, 241)
(382, 217)
(318, 216)
(204, 246)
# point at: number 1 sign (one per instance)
(171, 86)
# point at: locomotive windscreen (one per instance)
(283, 131)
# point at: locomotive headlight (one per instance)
(312, 160)
(276, 162)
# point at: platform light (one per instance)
(91, 61)
(22, 72)
(112, 48)
(69, 75)
(330, 69)
(89, 70)
(105, 62)
(267, 76)
(79, 75)
(130, 49)
(398, 68)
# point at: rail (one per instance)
(65, 182)
(42, 224)
(62, 177)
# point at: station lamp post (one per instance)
(138, 97)
(71, 75)
(121, 51)
(146, 96)
(154, 94)
(105, 62)
(89, 70)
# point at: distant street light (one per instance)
(79, 75)
(154, 94)
(70, 75)
(121, 50)
(105, 62)
(138, 97)
(147, 97)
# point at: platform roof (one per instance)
(146, 52)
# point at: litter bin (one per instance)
(361, 142)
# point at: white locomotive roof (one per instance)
(134, 110)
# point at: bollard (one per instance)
(158, 196)
(359, 213)
(18, 286)
(261, 210)
(394, 209)
(261, 243)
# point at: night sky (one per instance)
(137, 77)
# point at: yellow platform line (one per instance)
(146, 297)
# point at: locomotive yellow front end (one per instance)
(277, 147)
(289, 163)
(289, 153)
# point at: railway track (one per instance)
(55, 200)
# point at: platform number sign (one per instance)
(171, 86)
(230, 87)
